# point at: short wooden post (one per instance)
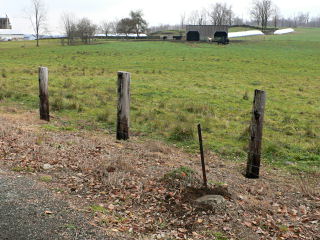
(123, 115)
(254, 155)
(43, 94)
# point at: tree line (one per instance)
(85, 30)
(263, 14)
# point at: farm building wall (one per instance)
(206, 31)
(5, 23)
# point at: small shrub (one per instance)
(182, 133)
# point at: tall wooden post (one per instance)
(254, 155)
(123, 115)
(43, 93)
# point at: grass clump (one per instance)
(181, 177)
(183, 132)
(22, 169)
(98, 208)
(46, 178)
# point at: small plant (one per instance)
(98, 208)
(182, 177)
(46, 178)
(182, 133)
(180, 173)
(22, 169)
(71, 226)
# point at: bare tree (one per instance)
(303, 19)
(106, 27)
(203, 17)
(86, 30)
(261, 12)
(255, 13)
(221, 14)
(69, 25)
(139, 24)
(114, 25)
(193, 18)
(182, 20)
(126, 26)
(276, 16)
(37, 17)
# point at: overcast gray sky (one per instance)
(156, 12)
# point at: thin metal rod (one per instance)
(205, 184)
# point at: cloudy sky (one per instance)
(156, 12)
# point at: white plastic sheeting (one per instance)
(245, 34)
(284, 31)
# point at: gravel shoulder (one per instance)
(29, 211)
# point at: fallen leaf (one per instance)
(111, 207)
(182, 230)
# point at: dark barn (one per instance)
(5, 23)
(206, 32)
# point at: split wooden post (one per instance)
(43, 94)
(254, 155)
(123, 116)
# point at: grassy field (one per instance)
(175, 85)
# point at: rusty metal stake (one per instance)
(205, 184)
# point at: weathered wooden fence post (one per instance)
(254, 155)
(43, 94)
(123, 116)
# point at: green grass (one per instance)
(176, 85)
(46, 178)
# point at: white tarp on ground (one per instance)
(9, 34)
(284, 31)
(245, 34)
(121, 35)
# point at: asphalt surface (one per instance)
(29, 211)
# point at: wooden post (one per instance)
(123, 105)
(43, 93)
(204, 174)
(254, 155)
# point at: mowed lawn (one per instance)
(176, 85)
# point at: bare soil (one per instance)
(127, 189)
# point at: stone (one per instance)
(47, 166)
(212, 200)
